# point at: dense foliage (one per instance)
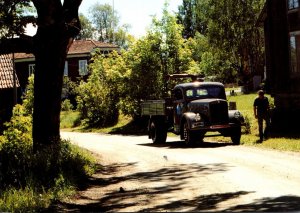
(99, 96)
(122, 81)
(14, 16)
(232, 34)
(218, 39)
(87, 29)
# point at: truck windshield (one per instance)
(205, 92)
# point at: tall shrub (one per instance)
(98, 98)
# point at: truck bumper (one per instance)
(200, 126)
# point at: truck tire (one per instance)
(188, 135)
(236, 135)
(158, 131)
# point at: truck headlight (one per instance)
(237, 115)
(197, 117)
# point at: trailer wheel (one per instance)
(236, 135)
(158, 131)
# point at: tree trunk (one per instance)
(57, 26)
(50, 60)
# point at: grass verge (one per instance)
(47, 176)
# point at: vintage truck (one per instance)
(193, 110)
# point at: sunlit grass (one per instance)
(30, 199)
(245, 105)
(122, 122)
(23, 200)
(69, 119)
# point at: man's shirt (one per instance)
(262, 105)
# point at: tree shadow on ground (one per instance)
(182, 145)
(135, 127)
(177, 176)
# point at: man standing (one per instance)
(261, 113)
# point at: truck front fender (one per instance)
(188, 117)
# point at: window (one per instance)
(66, 70)
(31, 68)
(213, 91)
(293, 4)
(294, 53)
(190, 93)
(201, 92)
(83, 67)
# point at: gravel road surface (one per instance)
(137, 175)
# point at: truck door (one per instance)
(178, 109)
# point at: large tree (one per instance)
(190, 15)
(105, 19)
(230, 27)
(87, 29)
(57, 25)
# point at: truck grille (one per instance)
(219, 112)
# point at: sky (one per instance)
(136, 13)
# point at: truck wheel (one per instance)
(236, 135)
(158, 132)
(189, 137)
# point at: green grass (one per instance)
(23, 200)
(31, 199)
(122, 123)
(231, 88)
(245, 105)
(69, 119)
(70, 122)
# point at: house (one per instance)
(78, 58)
(281, 22)
(7, 85)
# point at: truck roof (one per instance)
(197, 84)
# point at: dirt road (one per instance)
(140, 176)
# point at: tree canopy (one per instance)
(230, 29)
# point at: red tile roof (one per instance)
(87, 46)
(78, 47)
(6, 72)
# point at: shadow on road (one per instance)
(177, 176)
(182, 145)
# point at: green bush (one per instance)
(69, 91)
(16, 149)
(66, 105)
(28, 97)
(98, 98)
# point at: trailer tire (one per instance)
(158, 131)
